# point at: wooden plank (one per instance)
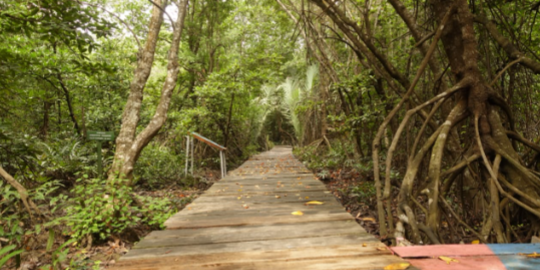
(248, 233)
(322, 252)
(242, 213)
(356, 262)
(262, 192)
(264, 188)
(269, 182)
(267, 245)
(243, 207)
(198, 222)
(364, 262)
(302, 197)
(234, 175)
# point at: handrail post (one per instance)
(224, 165)
(221, 160)
(192, 150)
(187, 155)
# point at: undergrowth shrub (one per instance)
(103, 208)
(158, 166)
(318, 157)
(363, 192)
(100, 209)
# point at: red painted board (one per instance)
(465, 263)
(442, 250)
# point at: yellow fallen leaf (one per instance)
(315, 202)
(381, 249)
(364, 245)
(397, 266)
(238, 198)
(533, 255)
(368, 219)
(307, 197)
(277, 196)
(297, 213)
(475, 242)
(447, 260)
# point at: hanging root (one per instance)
(435, 164)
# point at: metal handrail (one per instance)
(190, 144)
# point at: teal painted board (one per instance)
(511, 249)
(464, 263)
(520, 262)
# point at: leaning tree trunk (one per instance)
(130, 144)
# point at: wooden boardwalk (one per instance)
(245, 221)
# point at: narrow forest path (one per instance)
(246, 221)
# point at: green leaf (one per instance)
(9, 255)
(50, 241)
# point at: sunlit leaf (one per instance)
(447, 260)
(397, 266)
(314, 203)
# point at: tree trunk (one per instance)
(129, 146)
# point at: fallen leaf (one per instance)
(447, 260)
(307, 197)
(533, 255)
(245, 206)
(368, 219)
(475, 242)
(364, 245)
(381, 249)
(239, 198)
(297, 213)
(397, 266)
(315, 202)
(277, 196)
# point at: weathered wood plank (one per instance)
(278, 244)
(242, 206)
(302, 197)
(322, 252)
(248, 233)
(320, 260)
(205, 222)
